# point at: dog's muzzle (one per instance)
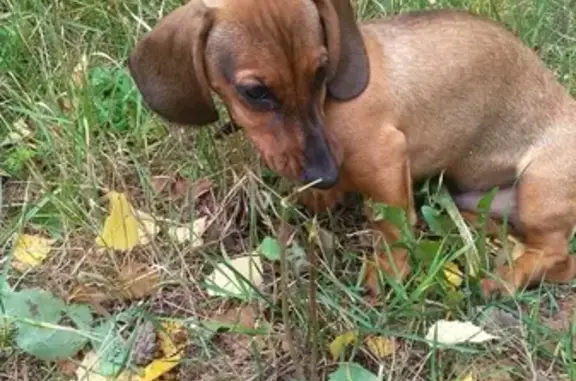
(320, 167)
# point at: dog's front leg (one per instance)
(385, 178)
(319, 201)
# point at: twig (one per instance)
(284, 295)
(313, 314)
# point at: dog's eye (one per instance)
(258, 96)
(256, 93)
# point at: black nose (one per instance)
(323, 178)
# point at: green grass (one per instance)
(91, 133)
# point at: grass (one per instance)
(91, 134)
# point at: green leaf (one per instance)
(81, 315)
(432, 216)
(36, 314)
(112, 349)
(34, 304)
(48, 344)
(351, 372)
(271, 248)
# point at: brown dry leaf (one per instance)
(138, 280)
(67, 367)
(159, 183)
(244, 316)
(90, 294)
(179, 186)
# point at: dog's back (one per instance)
(459, 79)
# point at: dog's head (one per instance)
(272, 62)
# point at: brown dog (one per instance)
(372, 107)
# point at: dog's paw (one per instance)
(317, 201)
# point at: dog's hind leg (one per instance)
(546, 202)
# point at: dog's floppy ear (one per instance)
(168, 66)
(348, 61)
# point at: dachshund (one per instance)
(372, 107)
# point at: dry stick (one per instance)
(312, 313)
(285, 317)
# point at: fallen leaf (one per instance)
(159, 183)
(125, 228)
(225, 282)
(138, 280)
(453, 274)
(179, 186)
(158, 368)
(67, 367)
(173, 337)
(90, 294)
(147, 229)
(244, 316)
(497, 320)
(381, 346)
(30, 251)
(352, 372)
(340, 343)
(18, 132)
(86, 371)
(182, 234)
(271, 249)
(456, 332)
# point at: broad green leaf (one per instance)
(271, 248)
(49, 343)
(351, 372)
(34, 304)
(81, 315)
(36, 314)
(111, 348)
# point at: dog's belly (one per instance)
(503, 204)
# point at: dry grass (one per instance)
(91, 134)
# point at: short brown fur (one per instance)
(372, 107)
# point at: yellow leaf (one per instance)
(229, 283)
(30, 251)
(173, 338)
(340, 342)
(158, 368)
(122, 229)
(182, 234)
(381, 346)
(453, 274)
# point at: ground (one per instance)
(87, 134)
